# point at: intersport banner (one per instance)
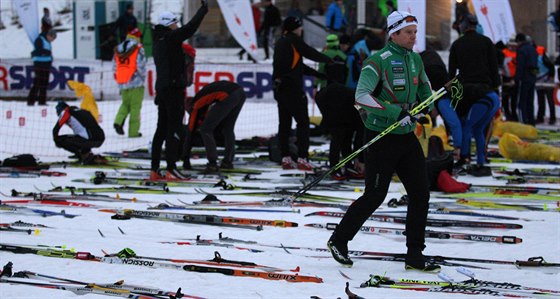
(496, 19)
(418, 9)
(28, 17)
(16, 78)
(239, 19)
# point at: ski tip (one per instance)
(296, 269)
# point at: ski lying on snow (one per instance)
(48, 202)
(169, 206)
(500, 194)
(35, 212)
(71, 196)
(504, 206)
(198, 218)
(429, 222)
(446, 211)
(212, 200)
(428, 234)
(280, 194)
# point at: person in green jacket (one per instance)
(332, 49)
(391, 82)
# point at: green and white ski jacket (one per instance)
(402, 83)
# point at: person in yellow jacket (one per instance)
(129, 65)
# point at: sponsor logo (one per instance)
(398, 69)
(136, 262)
(282, 276)
(19, 77)
(385, 54)
(396, 62)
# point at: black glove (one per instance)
(406, 119)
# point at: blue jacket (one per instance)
(43, 49)
(527, 66)
(335, 19)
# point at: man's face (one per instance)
(298, 31)
(406, 38)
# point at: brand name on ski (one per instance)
(138, 262)
(282, 276)
(146, 213)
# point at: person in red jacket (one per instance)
(217, 105)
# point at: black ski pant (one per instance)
(509, 102)
(392, 153)
(171, 110)
(38, 91)
(225, 114)
(290, 106)
(542, 93)
(76, 144)
(526, 101)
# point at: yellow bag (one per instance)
(512, 147)
(521, 130)
(88, 101)
(423, 133)
(440, 132)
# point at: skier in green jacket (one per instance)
(391, 82)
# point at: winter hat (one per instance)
(469, 22)
(60, 106)
(332, 40)
(344, 39)
(397, 20)
(167, 18)
(135, 34)
(291, 23)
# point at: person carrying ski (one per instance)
(392, 81)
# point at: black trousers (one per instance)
(509, 102)
(542, 93)
(38, 92)
(344, 140)
(392, 153)
(171, 110)
(225, 114)
(290, 106)
(76, 144)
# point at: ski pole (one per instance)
(456, 90)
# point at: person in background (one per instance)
(335, 19)
(391, 82)
(42, 60)
(526, 77)
(287, 72)
(129, 66)
(473, 57)
(216, 105)
(171, 82)
(87, 133)
(126, 22)
(294, 10)
(509, 89)
(46, 22)
(546, 78)
(332, 50)
(316, 8)
(379, 21)
(271, 21)
(340, 118)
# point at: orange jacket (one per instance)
(126, 65)
(510, 62)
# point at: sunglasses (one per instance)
(408, 19)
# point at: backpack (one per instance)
(190, 55)
(24, 160)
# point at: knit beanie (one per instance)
(135, 34)
(397, 20)
(60, 107)
(332, 41)
(291, 23)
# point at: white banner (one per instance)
(418, 9)
(495, 18)
(28, 17)
(239, 19)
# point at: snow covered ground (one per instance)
(541, 235)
